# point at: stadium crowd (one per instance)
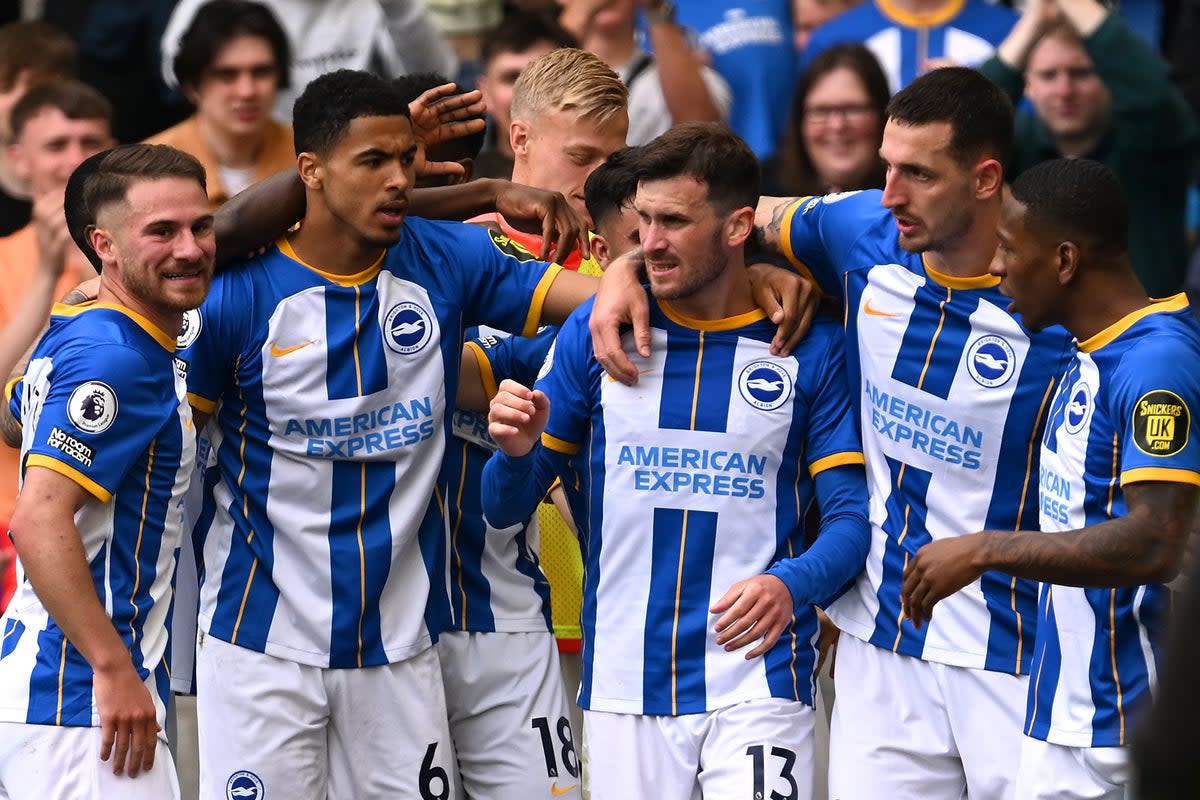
(613, 399)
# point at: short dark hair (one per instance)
(38, 48)
(217, 23)
(979, 112)
(520, 31)
(411, 87)
(1077, 199)
(74, 99)
(712, 154)
(612, 185)
(122, 166)
(330, 103)
(75, 207)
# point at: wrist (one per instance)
(983, 555)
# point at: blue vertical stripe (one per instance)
(591, 544)
(1058, 407)
(372, 357)
(789, 664)
(357, 365)
(208, 511)
(140, 519)
(933, 343)
(1012, 602)
(529, 566)
(247, 597)
(13, 629)
(906, 533)
(681, 557)
(360, 556)
(60, 685)
(470, 590)
(1120, 677)
(431, 538)
(1044, 670)
(716, 376)
(681, 367)
(909, 68)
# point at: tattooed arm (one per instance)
(1144, 546)
(768, 222)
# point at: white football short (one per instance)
(48, 761)
(903, 727)
(1056, 772)
(509, 715)
(273, 728)
(751, 749)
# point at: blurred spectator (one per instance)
(30, 53)
(1185, 63)
(1185, 55)
(664, 89)
(118, 54)
(387, 37)
(465, 23)
(749, 43)
(832, 143)
(506, 52)
(1100, 91)
(909, 37)
(808, 15)
(55, 127)
(231, 63)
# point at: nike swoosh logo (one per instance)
(557, 792)
(278, 351)
(874, 312)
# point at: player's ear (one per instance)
(312, 171)
(518, 137)
(738, 226)
(989, 179)
(1066, 262)
(600, 250)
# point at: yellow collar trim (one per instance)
(1175, 303)
(955, 282)
(724, 324)
(931, 20)
(357, 279)
(157, 333)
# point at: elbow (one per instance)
(1160, 563)
(21, 526)
(1163, 568)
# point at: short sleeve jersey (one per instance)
(330, 398)
(684, 484)
(102, 404)
(495, 582)
(951, 390)
(1123, 414)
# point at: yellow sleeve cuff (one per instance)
(534, 318)
(66, 470)
(559, 445)
(835, 460)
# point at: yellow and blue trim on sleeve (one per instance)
(66, 470)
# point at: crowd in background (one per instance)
(804, 82)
